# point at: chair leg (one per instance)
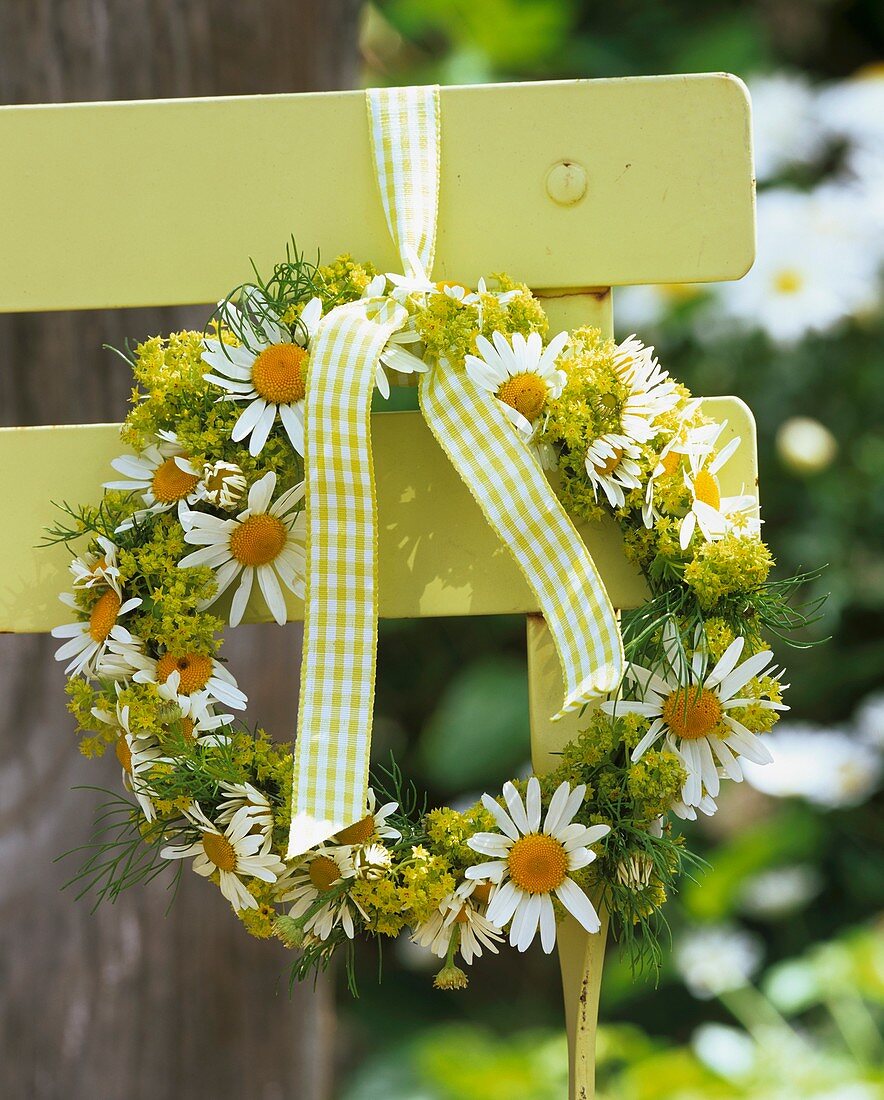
(581, 956)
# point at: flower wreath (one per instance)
(209, 500)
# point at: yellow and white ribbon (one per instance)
(341, 609)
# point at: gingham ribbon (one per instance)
(340, 626)
(341, 606)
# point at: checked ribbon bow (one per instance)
(341, 604)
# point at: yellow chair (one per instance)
(573, 187)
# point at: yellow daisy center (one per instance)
(692, 714)
(220, 851)
(788, 281)
(104, 616)
(279, 374)
(609, 465)
(526, 393)
(194, 669)
(170, 483)
(706, 489)
(324, 872)
(258, 539)
(359, 833)
(670, 463)
(187, 725)
(482, 893)
(462, 916)
(538, 863)
(99, 566)
(124, 754)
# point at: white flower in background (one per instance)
(644, 307)
(713, 514)
(689, 708)
(529, 864)
(827, 767)
(181, 678)
(248, 799)
(235, 853)
(805, 446)
(163, 475)
(727, 1051)
(136, 752)
(268, 369)
(223, 484)
(717, 959)
(265, 540)
(463, 916)
(520, 373)
(853, 111)
(869, 719)
(814, 268)
(786, 124)
(372, 827)
(97, 568)
(88, 642)
(693, 443)
(780, 891)
(326, 870)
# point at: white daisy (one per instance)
(246, 797)
(687, 441)
(89, 641)
(395, 355)
(414, 281)
(199, 723)
(372, 861)
(464, 918)
(712, 513)
(137, 753)
(520, 373)
(690, 706)
(325, 871)
(265, 539)
(372, 827)
(163, 475)
(223, 484)
(268, 369)
(529, 864)
(651, 391)
(180, 677)
(97, 568)
(612, 466)
(235, 853)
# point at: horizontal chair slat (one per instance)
(164, 202)
(437, 556)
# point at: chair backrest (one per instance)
(572, 187)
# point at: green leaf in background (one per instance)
(479, 731)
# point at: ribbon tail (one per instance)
(517, 500)
(341, 606)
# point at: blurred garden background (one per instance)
(775, 983)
